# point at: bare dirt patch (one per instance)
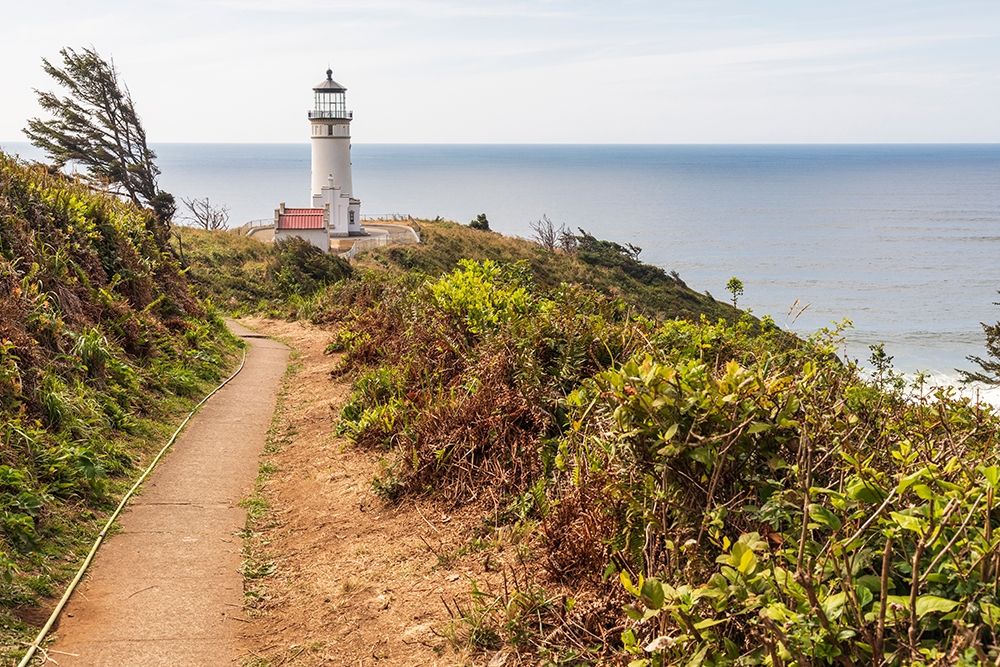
(345, 578)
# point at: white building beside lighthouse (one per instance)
(334, 208)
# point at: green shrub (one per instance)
(480, 222)
(300, 268)
(483, 295)
(787, 510)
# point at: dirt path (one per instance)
(356, 580)
(167, 589)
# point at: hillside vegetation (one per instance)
(686, 485)
(604, 266)
(701, 492)
(101, 346)
(243, 275)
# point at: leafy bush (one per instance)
(719, 493)
(786, 510)
(483, 295)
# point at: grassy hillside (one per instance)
(694, 490)
(101, 347)
(700, 492)
(243, 275)
(602, 265)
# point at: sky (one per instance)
(532, 71)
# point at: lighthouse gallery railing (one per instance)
(331, 114)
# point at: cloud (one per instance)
(441, 9)
(793, 51)
(535, 70)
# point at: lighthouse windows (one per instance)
(329, 130)
(330, 105)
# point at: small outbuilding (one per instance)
(311, 224)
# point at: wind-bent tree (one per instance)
(95, 124)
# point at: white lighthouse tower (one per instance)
(335, 212)
(330, 123)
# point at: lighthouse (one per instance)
(335, 211)
(330, 127)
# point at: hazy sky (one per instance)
(579, 71)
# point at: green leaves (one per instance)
(925, 604)
(864, 491)
(742, 557)
(649, 591)
(626, 581)
(817, 592)
(932, 604)
(908, 522)
(483, 294)
(652, 594)
(824, 517)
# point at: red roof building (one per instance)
(301, 218)
(309, 224)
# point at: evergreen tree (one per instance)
(480, 222)
(990, 366)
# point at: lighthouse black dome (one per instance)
(329, 85)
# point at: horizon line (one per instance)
(568, 143)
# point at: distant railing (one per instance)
(388, 217)
(365, 244)
(403, 234)
(248, 228)
(400, 235)
(331, 114)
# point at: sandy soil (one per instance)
(356, 581)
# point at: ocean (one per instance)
(902, 240)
